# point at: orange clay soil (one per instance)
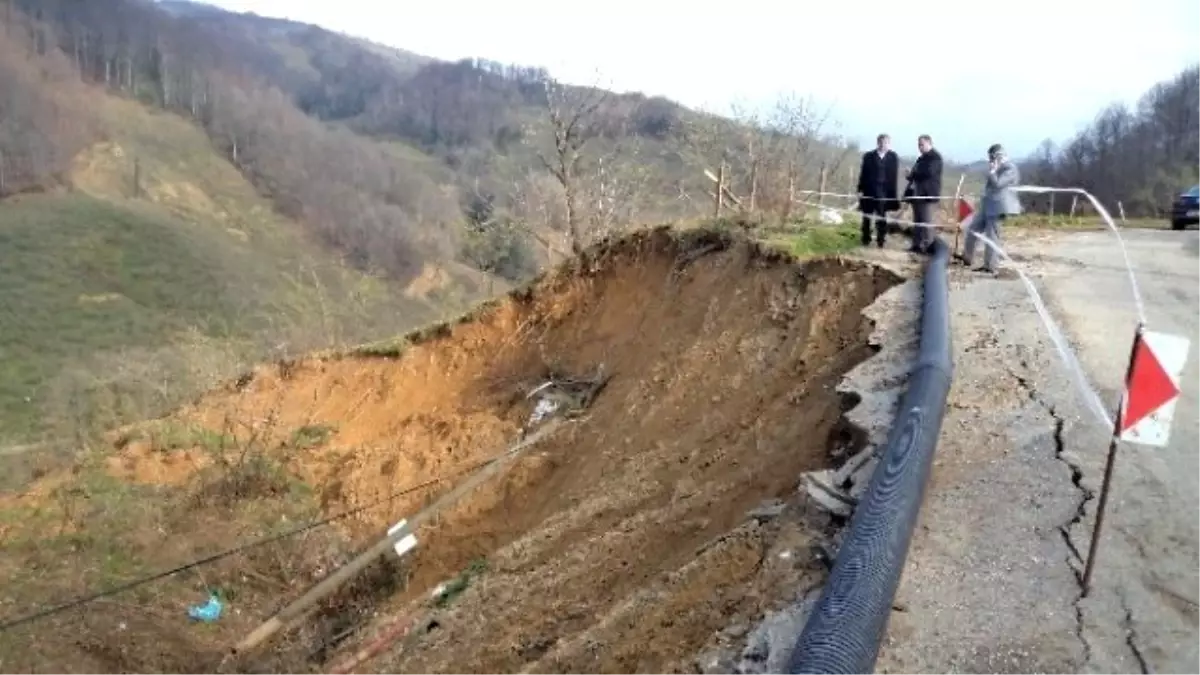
(621, 541)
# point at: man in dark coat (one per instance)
(923, 192)
(877, 188)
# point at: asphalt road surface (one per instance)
(992, 580)
(1146, 574)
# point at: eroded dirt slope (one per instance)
(620, 542)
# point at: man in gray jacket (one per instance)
(999, 201)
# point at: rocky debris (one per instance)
(838, 491)
(565, 396)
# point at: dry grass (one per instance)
(88, 528)
(1060, 222)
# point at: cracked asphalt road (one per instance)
(991, 583)
(1141, 613)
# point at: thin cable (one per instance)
(1085, 388)
(83, 600)
(857, 212)
(1112, 225)
(846, 195)
(1033, 189)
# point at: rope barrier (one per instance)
(1029, 189)
(847, 195)
(1066, 354)
(1112, 225)
(845, 630)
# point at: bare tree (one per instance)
(572, 116)
(616, 185)
(1140, 158)
(535, 207)
(768, 154)
(43, 120)
(748, 148)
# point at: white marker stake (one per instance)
(407, 543)
(1144, 416)
(958, 211)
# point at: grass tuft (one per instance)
(311, 436)
(460, 583)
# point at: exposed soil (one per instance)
(621, 542)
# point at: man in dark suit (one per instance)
(877, 181)
(923, 191)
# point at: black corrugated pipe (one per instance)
(843, 632)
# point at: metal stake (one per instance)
(1106, 485)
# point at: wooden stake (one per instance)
(720, 191)
(824, 181)
(791, 198)
(733, 199)
(753, 185)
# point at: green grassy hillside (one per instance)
(121, 295)
(81, 276)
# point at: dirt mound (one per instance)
(621, 541)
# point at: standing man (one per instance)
(999, 201)
(924, 190)
(877, 180)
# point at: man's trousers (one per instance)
(988, 226)
(877, 215)
(923, 210)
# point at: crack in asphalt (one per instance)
(1131, 634)
(1077, 481)
(1076, 471)
(1086, 495)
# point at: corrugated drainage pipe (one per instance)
(844, 631)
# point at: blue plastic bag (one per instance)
(209, 611)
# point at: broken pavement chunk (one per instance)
(838, 491)
(822, 488)
(767, 510)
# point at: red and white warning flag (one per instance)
(1153, 389)
(964, 210)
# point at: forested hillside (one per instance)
(185, 190)
(1141, 157)
(138, 265)
(386, 155)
